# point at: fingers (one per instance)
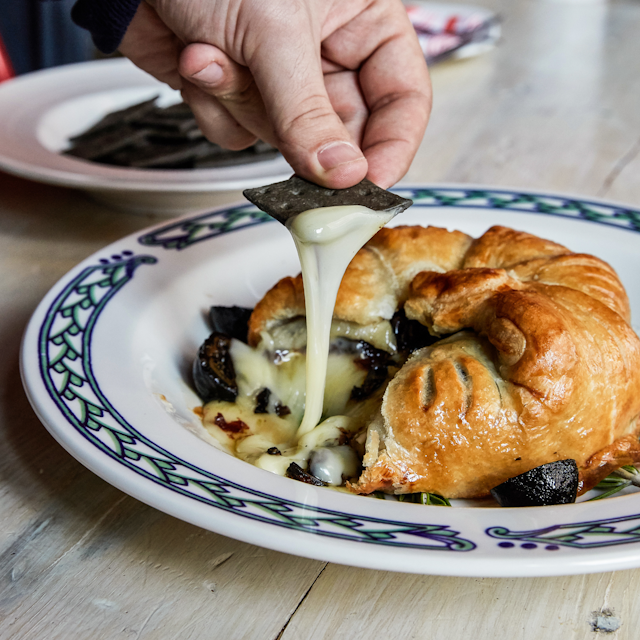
(224, 97)
(306, 128)
(230, 111)
(348, 102)
(152, 46)
(392, 138)
(400, 104)
(394, 82)
(278, 93)
(217, 124)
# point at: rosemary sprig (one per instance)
(432, 499)
(617, 481)
(628, 473)
(612, 491)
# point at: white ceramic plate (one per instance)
(40, 111)
(106, 360)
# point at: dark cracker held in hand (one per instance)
(283, 200)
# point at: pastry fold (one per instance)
(375, 281)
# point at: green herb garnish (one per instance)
(617, 481)
(432, 499)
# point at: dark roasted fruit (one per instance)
(410, 334)
(296, 472)
(282, 410)
(370, 357)
(551, 483)
(374, 380)
(213, 373)
(231, 321)
(262, 401)
(234, 428)
(376, 362)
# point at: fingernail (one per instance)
(336, 153)
(212, 74)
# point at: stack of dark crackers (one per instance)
(150, 137)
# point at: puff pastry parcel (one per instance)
(537, 360)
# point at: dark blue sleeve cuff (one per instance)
(106, 20)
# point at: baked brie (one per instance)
(521, 354)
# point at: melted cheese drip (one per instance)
(327, 239)
(310, 384)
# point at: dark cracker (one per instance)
(283, 200)
(117, 118)
(150, 137)
(222, 158)
(163, 156)
(107, 142)
(174, 137)
(178, 110)
(158, 120)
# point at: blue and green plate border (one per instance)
(65, 366)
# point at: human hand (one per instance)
(340, 87)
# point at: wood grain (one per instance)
(554, 107)
(439, 608)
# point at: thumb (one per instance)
(307, 130)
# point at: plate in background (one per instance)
(40, 111)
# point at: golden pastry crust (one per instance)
(551, 370)
(376, 281)
(540, 363)
(624, 451)
(408, 250)
(284, 301)
(501, 248)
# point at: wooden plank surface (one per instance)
(554, 107)
(439, 608)
(78, 558)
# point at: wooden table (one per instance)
(555, 107)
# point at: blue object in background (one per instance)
(39, 34)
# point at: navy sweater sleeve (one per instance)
(106, 20)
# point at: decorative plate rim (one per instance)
(81, 295)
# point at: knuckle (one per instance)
(313, 114)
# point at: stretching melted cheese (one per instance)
(313, 385)
(327, 239)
